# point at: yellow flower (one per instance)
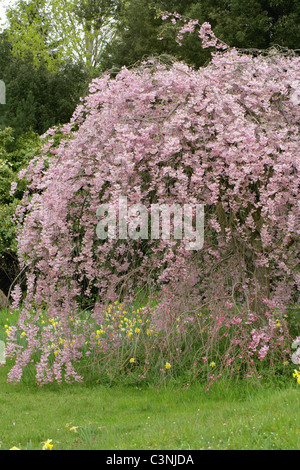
(74, 428)
(47, 444)
(168, 365)
(212, 364)
(14, 448)
(132, 360)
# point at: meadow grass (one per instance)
(173, 416)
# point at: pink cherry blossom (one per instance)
(226, 136)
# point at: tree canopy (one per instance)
(240, 23)
(60, 30)
(36, 98)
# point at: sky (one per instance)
(2, 13)
(3, 5)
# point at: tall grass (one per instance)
(125, 348)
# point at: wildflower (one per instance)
(295, 344)
(14, 448)
(132, 360)
(168, 365)
(212, 364)
(74, 428)
(47, 444)
(296, 357)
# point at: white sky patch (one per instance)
(3, 5)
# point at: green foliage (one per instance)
(35, 98)
(294, 320)
(14, 155)
(138, 31)
(252, 23)
(55, 31)
(240, 23)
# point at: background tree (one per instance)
(14, 155)
(56, 30)
(106, 33)
(139, 28)
(252, 23)
(37, 99)
(240, 23)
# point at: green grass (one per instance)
(170, 418)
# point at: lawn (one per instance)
(144, 418)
